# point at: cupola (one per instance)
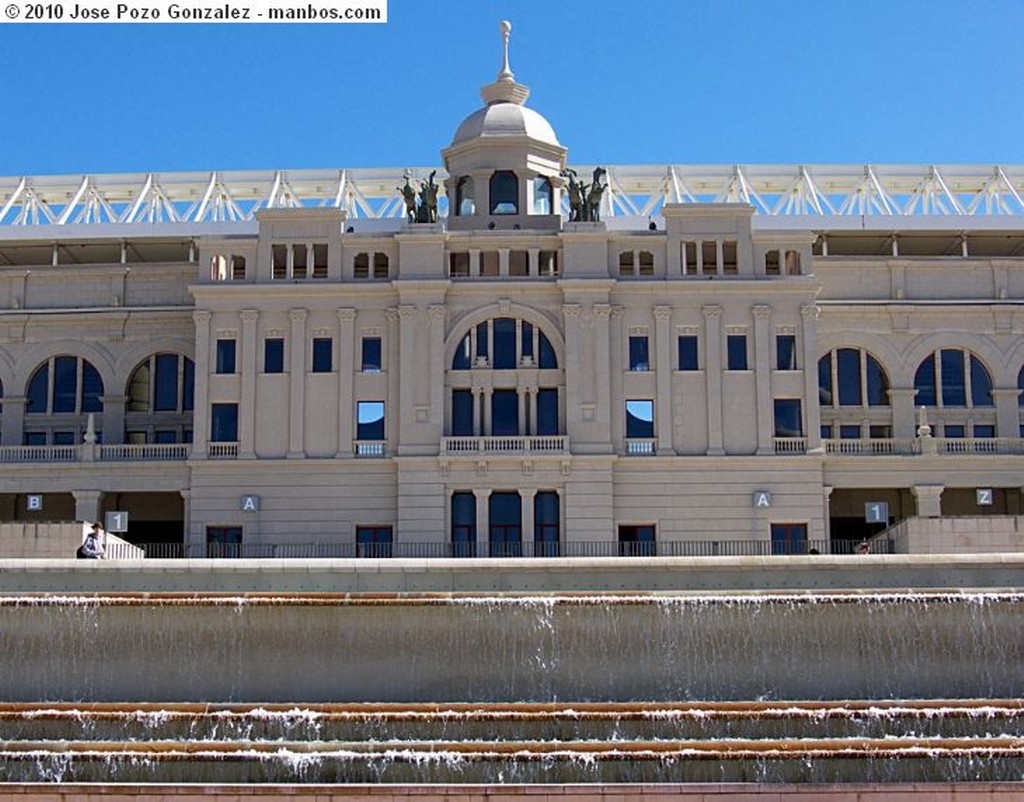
(505, 161)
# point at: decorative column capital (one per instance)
(761, 311)
(711, 311)
(437, 311)
(571, 310)
(346, 315)
(810, 312)
(201, 317)
(249, 316)
(602, 310)
(406, 311)
(617, 311)
(298, 315)
(391, 313)
(662, 314)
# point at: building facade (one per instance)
(275, 360)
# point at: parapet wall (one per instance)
(971, 534)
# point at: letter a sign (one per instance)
(250, 503)
(762, 499)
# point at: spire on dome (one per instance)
(505, 89)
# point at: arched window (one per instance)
(1020, 386)
(541, 195)
(504, 192)
(161, 397)
(953, 378)
(494, 344)
(849, 377)
(465, 197)
(64, 384)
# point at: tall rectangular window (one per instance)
(371, 361)
(639, 418)
(462, 413)
(688, 352)
(954, 391)
(370, 420)
(848, 368)
(224, 423)
(65, 383)
(789, 420)
(464, 524)
(505, 523)
(736, 348)
(504, 344)
(225, 356)
(638, 356)
(785, 352)
(323, 352)
(547, 411)
(273, 355)
(165, 384)
(504, 413)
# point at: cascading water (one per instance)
(571, 688)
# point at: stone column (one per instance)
(904, 417)
(1007, 412)
(663, 355)
(201, 411)
(486, 414)
(247, 401)
(478, 421)
(573, 418)
(713, 374)
(763, 379)
(111, 423)
(602, 371)
(393, 361)
(13, 420)
(526, 497)
(809, 313)
(406, 412)
(88, 505)
(186, 524)
(929, 500)
(346, 372)
(437, 314)
(297, 385)
(826, 509)
(481, 520)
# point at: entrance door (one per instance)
(637, 541)
(223, 541)
(789, 538)
(506, 525)
(373, 541)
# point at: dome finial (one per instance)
(506, 73)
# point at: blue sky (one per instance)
(734, 81)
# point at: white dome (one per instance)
(505, 119)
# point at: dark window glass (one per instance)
(788, 419)
(224, 423)
(464, 524)
(273, 355)
(188, 389)
(825, 380)
(165, 436)
(462, 413)
(482, 343)
(954, 388)
(639, 419)
(526, 340)
(371, 361)
(736, 345)
(826, 431)
(848, 361)
(165, 390)
(878, 384)
(880, 431)
(546, 358)
(63, 438)
(849, 432)
(35, 438)
(984, 430)
(462, 359)
(225, 356)
(953, 430)
(373, 541)
(504, 413)
(323, 354)
(223, 541)
(924, 383)
(92, 389)
(638, 357)
(1020, 387)
(370, 420)
(547, 411)
(688, 352)
(504, 343)
(38, 387)
(504, 193)
(546, 524)
(785, 352)
(637, 541)
(789, 538)
(981, 384)
(65, 383)
(506, 533)
(464, 202)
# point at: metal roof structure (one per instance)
(816, 196)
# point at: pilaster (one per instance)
(201, 412)
(713, 372)
(1007, 411)
(573, 417)
(929, 500)
(663, 357)
(346, 372)
(88, 505)
(297, 384)
(437, 315)
(247, 400)
(763, 379)
(812, 409)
